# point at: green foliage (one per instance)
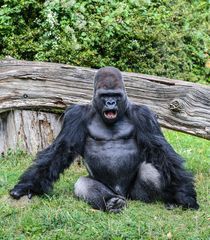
(61, 216)
(159, 37)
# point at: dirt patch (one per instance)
(21, 203)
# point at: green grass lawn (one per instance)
(61, 216)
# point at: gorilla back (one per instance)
(124, 150)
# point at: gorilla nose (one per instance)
(110, 103)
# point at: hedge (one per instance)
(158, 37)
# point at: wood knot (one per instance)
(207, 129)
(25, 95)
(176, 105)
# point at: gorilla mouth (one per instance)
(110, 114)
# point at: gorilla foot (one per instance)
(115, 204)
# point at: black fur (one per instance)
(52, 161)
(124, 151)
(177, 183)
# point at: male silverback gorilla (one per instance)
(124, 151)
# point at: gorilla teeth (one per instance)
(110, 114)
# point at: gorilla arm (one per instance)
(176, 183)
(52, 161)
(154, 147)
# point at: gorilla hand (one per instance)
(20, 190)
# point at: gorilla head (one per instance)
(110, 98)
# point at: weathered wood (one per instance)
(28, 130)
(50, 87)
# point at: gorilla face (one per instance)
(110, 99)
(110, 104)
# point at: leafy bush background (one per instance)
(158, 37)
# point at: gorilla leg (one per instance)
(147, 185)
(98, 195)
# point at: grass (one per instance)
(61, 216)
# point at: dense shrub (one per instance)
(159, 37)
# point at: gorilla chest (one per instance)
(111, 153)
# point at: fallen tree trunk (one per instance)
(48, 88)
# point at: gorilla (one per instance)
(124, 151)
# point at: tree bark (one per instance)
(29, 130)
(48, 88)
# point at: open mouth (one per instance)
(110, 114)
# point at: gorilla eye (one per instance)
(118, 95)
(103, 95)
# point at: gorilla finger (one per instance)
(16, 193)
(30, 194)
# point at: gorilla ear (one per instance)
(108, 78)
